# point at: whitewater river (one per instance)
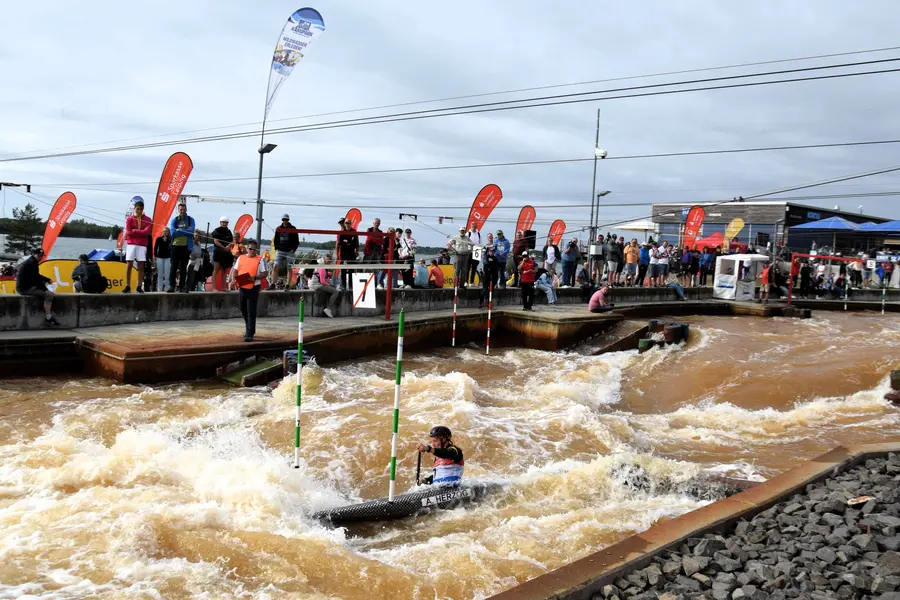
(186, 491)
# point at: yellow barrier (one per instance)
(60, 273)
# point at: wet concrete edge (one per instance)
(581, 579)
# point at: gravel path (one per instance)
(812, 545)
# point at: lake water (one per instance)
(68, 247)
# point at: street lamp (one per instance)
(259, 204)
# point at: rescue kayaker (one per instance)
(448, 458)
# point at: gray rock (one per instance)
(708, 547)
(688, 583)
(791, 508)
(671, 567)
(725, 563)
(888, 520)
(826, 555)
(608, 591)
(694, 564)
(889, 563)
(864, 542)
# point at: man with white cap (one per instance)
(222, 257)
(461, 246)
(286, 243)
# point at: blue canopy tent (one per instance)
(832, 224)
(889, 227)
(867, 226)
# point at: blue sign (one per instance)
(812, 215)
(684, 213)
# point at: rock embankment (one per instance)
(837, 539)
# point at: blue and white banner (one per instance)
(301, 29)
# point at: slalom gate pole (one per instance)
(455, 295)
(396, 408)
(299, 386)
(419, 469)
(487, 345)
(883, 292)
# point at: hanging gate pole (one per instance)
(396, 409)
(299, 386)
(487, 345)
(455, 295)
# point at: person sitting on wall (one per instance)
(30, 282)
(598, 303)
(435, 275)
(87, 278)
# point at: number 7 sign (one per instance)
(364, 290)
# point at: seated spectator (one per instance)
(30, 282)
(319, 282)
(598, 303)
(420, 275)
(87, 277)
(435, 275)
(545, 284)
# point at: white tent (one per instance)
(736, 276)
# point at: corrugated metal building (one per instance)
(764, 221)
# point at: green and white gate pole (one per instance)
(299, 386)
(396, 408)
(883, 292)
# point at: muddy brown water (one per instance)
(184, 491)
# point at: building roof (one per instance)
(775, 202)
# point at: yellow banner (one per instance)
(733, 229)
(60, 273)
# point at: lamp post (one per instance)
(263, 150)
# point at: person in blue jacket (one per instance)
(182, 227)
(501, 251)
(643, 264)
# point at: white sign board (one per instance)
(476, 252)
(870, 264)
(363, 290)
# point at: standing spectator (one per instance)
(318, 282)
(685, 262)
(30, 282)
(644, 265)
(583, 280)
(384, 245)
(654, 264)
(663, 254)
(545, 284)
(372, 250)
(570, 257)
(613, 259)
(632, 258)
(137, 232)
(461, 246)
(705, 265)
(223, 259)
(856, 274)
(248, 272)
(347, 251)
(474, 237)
(392, 255)
(195, 265)
(597, 259)
(408, 247)
(527, 271)
(420, 275)
(238, 248)
(501, 251)
(520, 249)
(795, 271)
(162, 250)
(87, 278)
(435, 275)
(805, 278)
(764, 278)
(182, 228)
(490, 273)
(286, 243)
(550, 255)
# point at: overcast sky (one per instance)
(100, 71)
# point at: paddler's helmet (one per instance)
(440, 431)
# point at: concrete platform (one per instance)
(584, 578)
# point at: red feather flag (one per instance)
(59, 215)
(557, 230)
(243, 225)
(692, 225)
(174, 177)
(526, 218)
(354, 217)
(485, 202)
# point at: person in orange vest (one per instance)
(247, 274)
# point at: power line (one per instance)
(498, 164)
(556, 100)
(486, 94)
(51, 203)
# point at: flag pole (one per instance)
(299, 386)
(396, 408)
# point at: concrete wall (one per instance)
(92, 310)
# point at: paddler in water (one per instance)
(448, 458)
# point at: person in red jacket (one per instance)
(137, 236)
(527, 273)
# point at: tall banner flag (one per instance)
(692, 225)
(301, 29)
(557, 230)
(120, 241)
(733, 229)
(354, 217)
(59, 215)
(174, 177)
(485, 202)
(526, 218)
(243, 224)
